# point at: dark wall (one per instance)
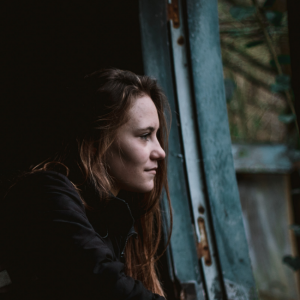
(46, 46)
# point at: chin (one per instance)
(141, 188)
(145, 189)
(148, 187)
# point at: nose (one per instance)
(158, 152)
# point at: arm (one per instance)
(67, 239)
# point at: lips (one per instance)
(151, 171)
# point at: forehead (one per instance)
(143, 113)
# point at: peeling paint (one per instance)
(235, 291)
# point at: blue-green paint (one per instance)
(215, 142)
(264, 158)
(192, 152)
(207, 90)
(157, 63)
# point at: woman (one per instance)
(86, 224)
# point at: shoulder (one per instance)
(46, 178)
(43, 181)
(44, 187)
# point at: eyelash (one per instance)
(145, 136)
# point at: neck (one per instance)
(115, 191)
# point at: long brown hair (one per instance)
(108, 95)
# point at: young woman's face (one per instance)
(133, 157)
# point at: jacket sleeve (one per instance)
(66, 238)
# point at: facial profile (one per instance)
(133, 157)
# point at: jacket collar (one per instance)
(118, 216)
(113, 218)
(114, 214)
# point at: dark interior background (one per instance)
(47, 46)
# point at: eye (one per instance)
(145, 136)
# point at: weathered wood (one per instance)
(222, 190)
(157, 63)
(264, 158)
(265, 204)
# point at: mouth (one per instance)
(151, 171)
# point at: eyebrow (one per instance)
(150, 128)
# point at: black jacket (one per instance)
(53, 250)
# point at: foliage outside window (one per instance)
(256, 61)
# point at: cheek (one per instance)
(127, 158)
(127, 165)
(134, 155)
